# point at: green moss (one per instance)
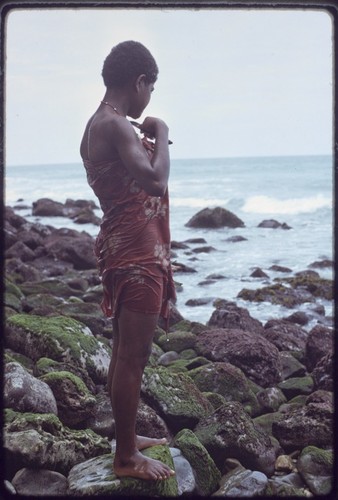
(53, 378)
(13, 289)
(320, 456)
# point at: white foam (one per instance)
(268, 205)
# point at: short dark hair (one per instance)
(126, 61)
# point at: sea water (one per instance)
(294, 190)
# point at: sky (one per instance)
(232, 83)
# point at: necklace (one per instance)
(108, 104)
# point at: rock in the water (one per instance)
(230, 432)
(25, 393)
(273, 224)
(95, 477)
(252, 353)
(207, 474)
(40, 483)
(229, 315)
(214, 218)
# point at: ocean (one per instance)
(297, 190)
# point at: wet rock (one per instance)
(285, 335)
(323, 373)
(298, 317)
(258, 273)
(182, 268)
(252, 353)
(95, 477)
(178, 341)
(185, 476)
(315, 465)
(199, 302)
(227, 380)
(40, 483)
(175, 397)
(47, 208)
(215, 218)
(206, 472)
(322, 264)
(59, 338)
(204, 249)
(319, 343)
(273, 224)
(41, 441)
(280, 269)
(242, 483)
(229, 315)
(312, 283)
(25, 393)
(276, 294)
(236, 239)
(219, 433)
(74, 401)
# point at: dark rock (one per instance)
(319, 343)
(280, 269)
(177, 341)
(214, 218)
(285, 335)
(273, 224)
(252, 353)
(323, 373)
(205, 249)
(15, 220)
(182, 268)
(271, 399)
(291, 367)
(322, 264)
(25, 393)
(299, 317)
(296, 386)
(202, 301)
(242, 483)
(20, 272)
(229, 315)
(312, 283)
(258, 273)
(20, 251)
(236, 239)
(74, 247)
(305, 426)
(196, 241)
(219, 433)
(276, 294)
(48, 208)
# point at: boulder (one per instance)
(178, 341)
(175, 397)
(323, 373)
(206, 473)
(47, 365)
(285, 335)
(273, 224)
(40, 441)
(270, 399)
(47, 208)
(95, 477)
(242, 483)
(311, 424)
(25, 393)
(40, 483)
(72, 246)
(230, 432)
(228, 381)
(61, 339)
(229, 315)
(276, 294)
(252, 353)
(74, 401)
(312, 283)
(315, 465)
(319, 343)
(214, 218)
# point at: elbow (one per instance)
(157, 189)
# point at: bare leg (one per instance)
(142, 442)
(134, 346)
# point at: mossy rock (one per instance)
(41, 299)
(316, 468)
(95, 477)
(61, 339)
(207, 474)
(178, 341)
(188, 354)
(215, 399)
(46, 365)
(74, 401)
(41, 441)
(175, 397)
(312, 283)
(276, 294)
(54, 286)
(13, 289)
(227, 380)
(296, 386)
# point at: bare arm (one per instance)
(152, 174)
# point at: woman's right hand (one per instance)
(154, 126)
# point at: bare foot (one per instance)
(143, 442)
(142, 467)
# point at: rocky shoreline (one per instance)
(247, 407)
